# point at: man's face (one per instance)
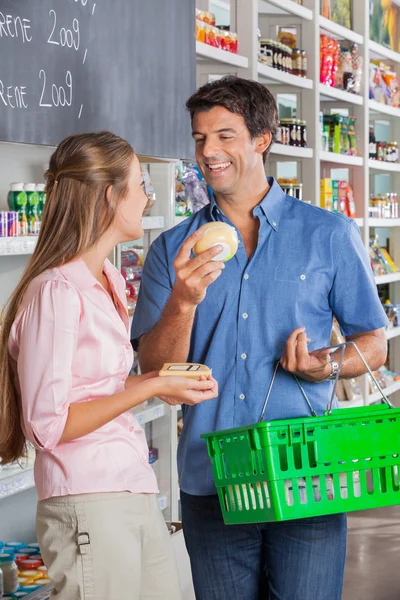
(225, 153)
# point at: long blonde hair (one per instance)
(76, 214)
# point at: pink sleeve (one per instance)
(47, 335)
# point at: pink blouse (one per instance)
(69, 343)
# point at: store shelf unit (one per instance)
(15, 246)
(384, 222)
(389, 391)
(292, 151)
(205, 52)
(285, 7)
(311, 97)
(271, 76)
(19, 246)
(14, 480)
(392, 333)
(385, 279)
(339, 32)
(330, 93)
(381, 165)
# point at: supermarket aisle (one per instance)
(373, 557)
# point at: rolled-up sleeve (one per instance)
(155, 289)
(353, 298)
(47, 335)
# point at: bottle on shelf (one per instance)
(32, 208)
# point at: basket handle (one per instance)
(329, 408)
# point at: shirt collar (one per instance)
(271, 205)
(78, 273)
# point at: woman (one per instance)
(65, 356)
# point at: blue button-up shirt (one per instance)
(309, 264)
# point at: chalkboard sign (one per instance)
(84, 65)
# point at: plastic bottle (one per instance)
(32, 208)
(40, 188)
(16, 189)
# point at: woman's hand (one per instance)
(182, 390)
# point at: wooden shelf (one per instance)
(272, 76)
(390, 278)
(381, 165)
(339, 32)
(291, 151)
(208, 53)
(377, 107)
(328, 93)
(342, 159)
(282, 7)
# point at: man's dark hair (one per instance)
(250, 99)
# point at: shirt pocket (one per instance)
(295, 297)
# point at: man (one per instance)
(297, 265)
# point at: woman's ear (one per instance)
(109, 193)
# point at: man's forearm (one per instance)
(169, 340)
(373, 347)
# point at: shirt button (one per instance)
(245, 315)
(144, 457)
(245, 276)
(242, 396)
(131, 429)
(302, 277)
(244, 356)
(273, 223)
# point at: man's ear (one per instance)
(263, 142)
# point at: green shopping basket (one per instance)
(346, 460)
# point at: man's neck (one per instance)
(239, 205)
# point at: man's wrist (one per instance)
(179, 306)
(334, 368)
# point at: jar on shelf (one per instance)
(274, 46)
(288, 59)
(395, 152)
(303, 126)
(292, 125)
(279, 51)
(10, 573)
(266, 53)
(296, 62)
(381, 151)
(394, 204)
(285, 131)
(389, 156)
(372, 143)
(299, 134)
(304, 63)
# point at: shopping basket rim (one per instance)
(335, 416)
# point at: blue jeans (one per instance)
(292, 560)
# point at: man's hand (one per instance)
(194, 275)
(311, 366)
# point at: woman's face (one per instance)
(128, 220)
